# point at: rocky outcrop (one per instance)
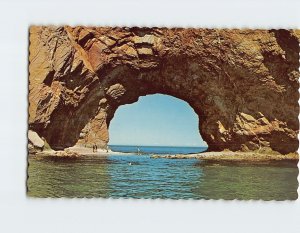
(35, 143)
(243, 84)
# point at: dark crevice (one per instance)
(49, 78)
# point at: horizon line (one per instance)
(154, 145)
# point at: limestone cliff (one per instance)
(243, 84)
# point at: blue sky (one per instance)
(160, 120)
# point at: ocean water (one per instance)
(157, 149)
(139, 176)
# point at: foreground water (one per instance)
(139, 176)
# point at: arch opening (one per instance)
(156, 120)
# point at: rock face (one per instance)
(243, 84)
(35, 143)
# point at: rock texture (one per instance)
(35, 143)
(243, 84)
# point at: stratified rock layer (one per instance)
(243, 84)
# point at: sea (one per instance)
(132, 175)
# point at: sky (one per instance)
(156, 120)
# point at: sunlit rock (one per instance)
(243, 84)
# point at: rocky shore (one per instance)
(222, 156)
(75, 152)
(233, 156)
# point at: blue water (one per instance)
(139, 176)
(157, 149)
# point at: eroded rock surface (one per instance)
(243, 84)
(35, 143)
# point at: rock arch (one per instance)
(243, 84)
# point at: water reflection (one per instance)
(152, 178)
(269, 181)
(58, 177)
(141, 177)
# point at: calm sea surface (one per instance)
(139, 176)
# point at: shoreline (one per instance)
(230, 156)
(220, 156)
(77, 152)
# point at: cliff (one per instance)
(243, 84)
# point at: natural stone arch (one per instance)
(243, 84)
